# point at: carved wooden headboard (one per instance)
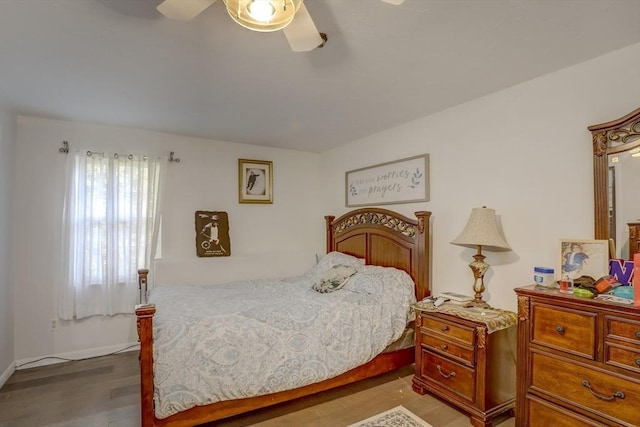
(386, 238)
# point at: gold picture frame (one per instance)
(255, 181)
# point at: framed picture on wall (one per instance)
(583, 258)
(255, 181)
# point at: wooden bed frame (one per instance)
(381, 237)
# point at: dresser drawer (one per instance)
(450, 348)
(564, 329)
(622, 356)
(542, 413)
(450, 375)
(622, 329)
(587, 388)
(435, 325)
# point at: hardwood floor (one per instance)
(104, 392)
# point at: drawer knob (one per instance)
(638, 362)
(617, 394)
(638, 334)
(446, 328)
(443, 375)
(560, 330)
(444, 347)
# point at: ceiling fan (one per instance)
(290, 16)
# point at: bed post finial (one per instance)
(328, 220)
(142, 283)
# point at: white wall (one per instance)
(7, 179)
(205, 179)
(525, 152)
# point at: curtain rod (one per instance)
(65, 150)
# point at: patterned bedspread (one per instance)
(256, 337)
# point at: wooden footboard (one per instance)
(201, 414)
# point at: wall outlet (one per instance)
(54, 324)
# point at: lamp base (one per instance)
(477, 304)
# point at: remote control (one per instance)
(439, 301)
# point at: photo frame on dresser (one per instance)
(582, 257)
(255, 181)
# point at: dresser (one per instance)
(467, 361)
(578, 361)
(634, 238)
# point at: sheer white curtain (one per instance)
(109, 229)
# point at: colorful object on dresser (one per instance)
(622, 270)
(606, 284)
(636, 280)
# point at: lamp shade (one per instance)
(481, 230)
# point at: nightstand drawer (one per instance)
(602, 393)
(622, 356)
(450, 375)
(449, 348)
(622, 329)
(564, 329)
(435, 325)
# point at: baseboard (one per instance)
(32, 362)
(7, 373)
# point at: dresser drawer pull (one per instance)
(617, 394)
(638, 362)
(444, 347)
(560, 330)
(449, 375)
(638, 334)
(446, 328)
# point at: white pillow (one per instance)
(339, 258)
(333, 279)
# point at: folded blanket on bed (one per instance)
(257, 337)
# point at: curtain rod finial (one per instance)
(172, 158)
(65, 147)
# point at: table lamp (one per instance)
(481, 231)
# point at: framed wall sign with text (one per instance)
(400, 181)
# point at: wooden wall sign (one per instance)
(212, 234)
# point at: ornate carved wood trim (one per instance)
(608, 138)
(359, 218)
(523, 309)
(481, 331)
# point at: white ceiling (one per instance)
(120, 62)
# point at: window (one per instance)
(110, 218)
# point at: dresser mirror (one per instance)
(616, 172)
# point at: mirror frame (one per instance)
(609, 138)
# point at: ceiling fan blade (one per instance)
(394, 2)
(302, 33)
(183, 10)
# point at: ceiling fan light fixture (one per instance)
(263, 15)
(261, 10)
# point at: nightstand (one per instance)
(467, 356)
